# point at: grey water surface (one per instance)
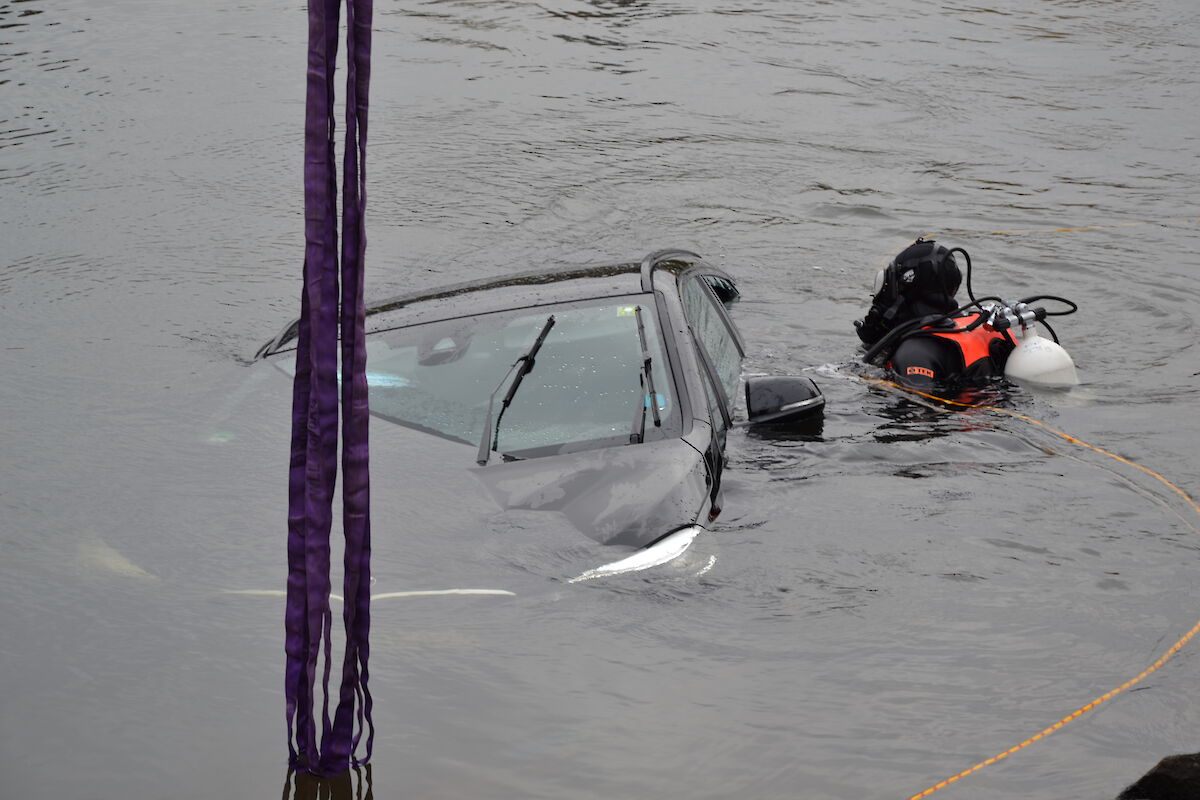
(876, 609)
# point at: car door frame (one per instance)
(697, 275)
(714, 454)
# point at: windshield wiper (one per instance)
(491, 433)
(646, 381)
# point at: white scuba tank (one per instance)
(1040, 361)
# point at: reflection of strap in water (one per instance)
(300, 786)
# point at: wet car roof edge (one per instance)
(531, 277)
(658, 259)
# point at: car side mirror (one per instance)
(783, 400)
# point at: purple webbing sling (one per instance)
(324, 312)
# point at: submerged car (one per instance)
(603, 393)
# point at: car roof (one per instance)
(519, 290)
(533, 288)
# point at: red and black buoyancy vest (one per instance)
(950, 355)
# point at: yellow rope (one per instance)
(1079, 712)
(883, 262)
(1081, 228)
(893, 385)
(1074, 715)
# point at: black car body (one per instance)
(601, 393)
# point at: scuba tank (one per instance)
(1035, 359)
(1040, 361)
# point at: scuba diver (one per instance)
(916, 328)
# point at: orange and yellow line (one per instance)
(1079, 712)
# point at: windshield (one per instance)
(584, 389)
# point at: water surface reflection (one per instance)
(353, 784)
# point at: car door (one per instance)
(719, 352)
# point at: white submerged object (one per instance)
(666, 549)
(1040, 361)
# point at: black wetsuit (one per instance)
(947, 357)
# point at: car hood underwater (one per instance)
(557, 517)
(427, 487)
(630, 495)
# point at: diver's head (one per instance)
(921, 280)
(926, 276)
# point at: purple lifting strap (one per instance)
(325, 311)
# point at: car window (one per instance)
(724, 289)
(584, 387)
(710, 390)
(714, 335)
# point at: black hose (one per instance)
(905, 328)
(982, 318)
(967, 256)
(1073, 307)
(1053, 335)
(898, 332)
